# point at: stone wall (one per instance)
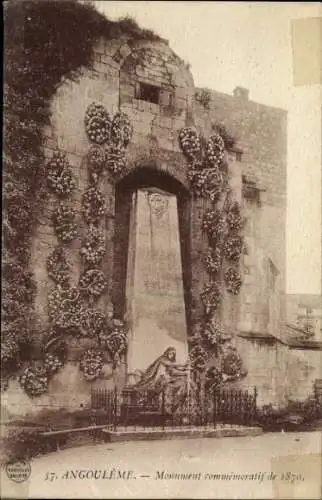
(261, 134)
(303, 311)
(303, 367)
(266, 364)
(67, 389)
(154, 144)
(113, 83)
(279, 372)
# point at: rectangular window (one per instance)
(147, 92)
(250, 191)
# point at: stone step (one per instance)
(130, 434)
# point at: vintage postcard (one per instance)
(161, 256)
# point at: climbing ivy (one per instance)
(222, 223)
(45, 43)
(115, 133)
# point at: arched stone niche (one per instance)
(141, 178)
(168, 173)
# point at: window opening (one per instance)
(148, 92)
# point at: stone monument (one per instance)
(155, 298)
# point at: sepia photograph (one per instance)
(161, 331)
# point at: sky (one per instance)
(249, 44)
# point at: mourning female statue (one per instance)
(162, 372)
(165, 375)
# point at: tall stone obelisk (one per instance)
(155, 298)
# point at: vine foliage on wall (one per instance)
(35, 377)
(45, 42)
(203, 96)
(70, 308)
(58, 267)
(211, 352)
(59, 176)
(110, 137)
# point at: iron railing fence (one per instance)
(150, 408)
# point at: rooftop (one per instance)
(293, 337)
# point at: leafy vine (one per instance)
(234, 218)
(222, 223)
(91, 364)
(233, 247)
(97, 123)
(211, 298)
(57, 267)
(215, 150)
(32, 73)
(91, 323)
(115, 134)
(213, 261)
(233, 280)
(64, 222)
(203, 97)
(213, 224)
(113, 337)
(232, 365)
(190, 143)
(115, 159)
(121, 130)
(63, 302)
(59, 175)
(96, 159)
(59, 179)
(92, 283)
(34, 380)
(93, 246)
(93, 205)
(52, 364)
(214, 378)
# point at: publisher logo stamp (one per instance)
(18, 471)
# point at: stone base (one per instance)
(139, 434)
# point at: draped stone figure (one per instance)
(164, 371)
(173, 379)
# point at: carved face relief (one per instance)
(158, 204)
(171, 354)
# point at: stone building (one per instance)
(304, 311)
(155, 89)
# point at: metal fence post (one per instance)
(172, 410)
(214, 408)
(255, 403)
(115, 408)
(163, 408)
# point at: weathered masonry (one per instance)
(150, 85)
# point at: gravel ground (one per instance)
(275, 465)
